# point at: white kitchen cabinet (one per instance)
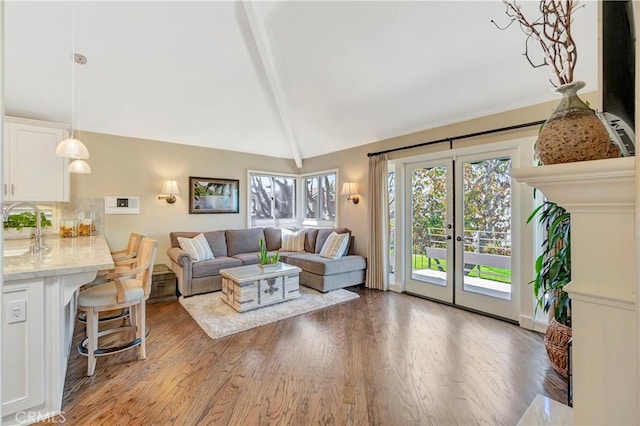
(32, 171)
(23, 355)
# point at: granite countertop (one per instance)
(60, 256)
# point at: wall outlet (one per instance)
(16, 311)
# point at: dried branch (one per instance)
(552, 30)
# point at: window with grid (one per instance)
(319, 199)
(272, 200)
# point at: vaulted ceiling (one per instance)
(291, 79)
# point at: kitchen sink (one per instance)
(14, 252)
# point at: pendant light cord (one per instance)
(73, 67)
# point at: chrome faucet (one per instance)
(38, 243)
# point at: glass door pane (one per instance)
(431, 258)
(483, 236)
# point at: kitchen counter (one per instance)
(60, 256)
(39, 297)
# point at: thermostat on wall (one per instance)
(121, 205)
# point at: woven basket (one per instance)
(556, 342)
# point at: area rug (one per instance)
(218, 319)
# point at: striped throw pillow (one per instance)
(335, 246)
(198, 247)
(293, 241)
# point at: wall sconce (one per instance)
(351, 191)
(169, 191)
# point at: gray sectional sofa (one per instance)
(237, 247)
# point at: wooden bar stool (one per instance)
(127, 289)
(123, 260)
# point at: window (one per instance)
(23, 214)
(273, 199)
(319, 199)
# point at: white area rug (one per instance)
(218, 319)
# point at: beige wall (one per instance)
(135, 167)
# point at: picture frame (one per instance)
(213, 195)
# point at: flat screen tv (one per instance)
(618, 72)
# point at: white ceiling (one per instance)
(292, 79)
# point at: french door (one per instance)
(458, 241)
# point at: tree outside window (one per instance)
(320, 197)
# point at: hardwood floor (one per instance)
(384, 359)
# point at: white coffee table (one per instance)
(249, 287)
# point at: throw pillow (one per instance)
(197, 247)
(293, 241)
(335, 246)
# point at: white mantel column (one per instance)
(600, 195)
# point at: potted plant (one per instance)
(553, 272)
(15, 224)
(267, 261)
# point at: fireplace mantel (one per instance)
(601, 197)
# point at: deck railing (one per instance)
(487, 254)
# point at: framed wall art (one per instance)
(213, 195)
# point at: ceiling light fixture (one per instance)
(80, 167)
(71, 147)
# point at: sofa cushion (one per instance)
(293, 240)
(213, 266)
(319, 265)
(272, 236)
(248, 258)
(310, 240)
(217, 240)
(197, 247)
(335, 246)
(322, 236)
(243, 240)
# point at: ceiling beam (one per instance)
(266, 57)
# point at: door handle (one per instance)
(449, 226)
(5, 189)
(13, 189)
(458, 238)
(448, 237)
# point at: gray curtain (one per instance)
(377, 273)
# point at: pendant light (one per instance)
(71, 147)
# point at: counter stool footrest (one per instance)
(82, 346)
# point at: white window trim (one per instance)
(273, 221)
(299, 219)
(315, 223)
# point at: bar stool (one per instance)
(127, 289)
(123, 260)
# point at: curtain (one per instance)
(378, 253)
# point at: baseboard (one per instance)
(533, 324)
(395, 287)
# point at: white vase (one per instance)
(270, 267)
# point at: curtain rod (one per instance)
(468, 135)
